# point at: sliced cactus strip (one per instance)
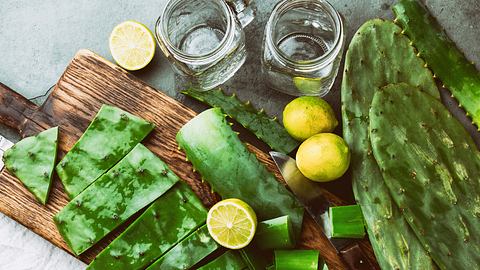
(447, 62)
(267, 129)
(233, 171)
(229, 260)
(431, 167)
(136, 181)
(110, 136)
(379, 55)
(167, 221)
(187, 253)
(32, 161)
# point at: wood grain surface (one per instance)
(88, 82)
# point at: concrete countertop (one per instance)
(39, 38)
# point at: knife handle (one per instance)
(357, 259)
(14, 108)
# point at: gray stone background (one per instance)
(39, 38)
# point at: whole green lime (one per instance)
(323, 157)
(306, 116)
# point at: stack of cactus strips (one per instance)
(167, 221)
(447, 62)
(233, 171)
(110, 136)
(380, 55)
(32, 160)
(267, 129)
(136, 181)
(431, 167)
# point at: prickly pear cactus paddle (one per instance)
(136, 181)
(109, 137)
(32, 161)
(431, 167)
(378, 55)
(168, 220)
(447, 62)
(265, 128)
(233, 171)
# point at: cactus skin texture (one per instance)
(136, 181)
(229, 260)
(109, 137)
(267, 129)
(32, 161)
(431, 167)
(233, 171)
(379, 55)
(188, 252)
(447, 62)
(167, 221)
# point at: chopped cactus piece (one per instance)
(109, 137)
(167, 221)
(229, 260)
(274, 234)
(431, 167)
(297, 260)
(346, 222)
(379, 55)
(442, 56)
(136, 181)
(233, 171)
(265, 128)
(32, 160)
(187, 253)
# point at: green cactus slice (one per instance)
(136, 181)
(267, 129)
(447, 62)
(379, 55)
(32, 161)
(431, 167)
(188, 252)
(109, 137)
(233, 171)
(168, 220)
(229, 260)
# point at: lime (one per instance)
(308, 85)
(306, 116)
(232, 223)
(323, 157)
(132, 45)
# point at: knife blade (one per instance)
(311, 195)
(4, 146)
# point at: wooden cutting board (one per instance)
(88, 82)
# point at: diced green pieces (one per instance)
(32, 160)
(136, 181)
(297, 260)
(230, 260)
(265, 128)
(346, 222)
(168, 220)
(447, 62)
(109, 137)
(188, 252)
(233, 171)
(274, 234)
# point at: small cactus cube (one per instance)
(346, 222)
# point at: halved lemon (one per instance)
(132, 45)
(232, 223)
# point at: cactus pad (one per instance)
(379, 55)
(136, 181)
(108, 138)
(32, 160)
(168, 220)
(431, 167)
(267, 129)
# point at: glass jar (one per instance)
(303, 46)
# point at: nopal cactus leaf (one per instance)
(136, 181)
(431, 167)
(109, 137)
(168, 220)
(379, 55)
(264, 127)
(32, 160)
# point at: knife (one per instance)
(311, 195)
(4, 145)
